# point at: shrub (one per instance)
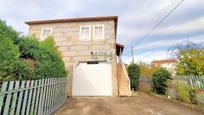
(183, 91)
(159, 81)
(8, 32)
(186, 92)
(11, 67)
(46, 58)
(26, 57)
(193, 97)
(134, 74)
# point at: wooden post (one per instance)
(132, 54)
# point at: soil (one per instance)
(141, 104)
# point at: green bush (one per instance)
(159, 81)
(8, 32)
(46, 58)
(193, 97)
(186, 93)
(134, 74)
(183, 91)
(11, 67)
(26, 57)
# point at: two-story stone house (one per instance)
(90, 53)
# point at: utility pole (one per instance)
(132, 54)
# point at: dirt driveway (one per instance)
(141, 104)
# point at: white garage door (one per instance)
(92, 79)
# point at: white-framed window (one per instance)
(46, 32)
(85, 33)
(98, 32)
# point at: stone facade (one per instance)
(66, 36)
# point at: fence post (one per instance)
(8, 98)
(37, 97)
(4, 86)
(40, 109)
(20, 98)
(43, 96)
(29, 98)
(191, 82)
(25, 98)
(14, 98)
(47, 96)
(34, 97)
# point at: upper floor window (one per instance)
(95, 32)
(46, 32)
(98, 32)
(85, 33)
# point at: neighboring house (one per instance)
(90, 53)
(169, 64)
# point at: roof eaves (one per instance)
(115, 18)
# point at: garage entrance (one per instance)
(92, 79)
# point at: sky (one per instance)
(136, 19)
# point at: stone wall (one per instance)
(66, 36)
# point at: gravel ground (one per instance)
(142, 104)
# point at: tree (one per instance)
(8, 32)
(159, 80)
(11, 66)
(190, 59)
(147, 70)
(134, 74)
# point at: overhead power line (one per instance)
(162, 20)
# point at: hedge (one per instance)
(134, 74)
(26, 57)
(44, 55)
(159, 81)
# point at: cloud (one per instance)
(147, 56)
(186, 27)
(136, 24)
(168, 42)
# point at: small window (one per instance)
(98, 32)
(46, 32)
(85, 33)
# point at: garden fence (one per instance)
(194, 81)
(32, 97)
(145, 79)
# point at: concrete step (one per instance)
(124, 87)
(121, 84)
(128, 93)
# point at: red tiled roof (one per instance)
(164, 61)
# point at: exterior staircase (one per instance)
(123, 81)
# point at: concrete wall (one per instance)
(66, 36)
